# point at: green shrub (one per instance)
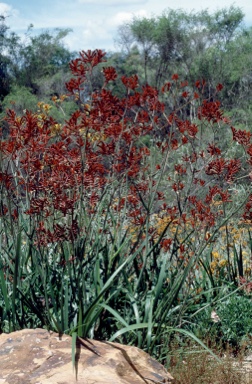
(235, 324)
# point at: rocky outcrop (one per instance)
(39, 357)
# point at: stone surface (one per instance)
(245, 367)
(39, 357)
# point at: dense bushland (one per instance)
(197, 45)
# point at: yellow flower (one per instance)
(63, 97)
(161, 224)
(223, 263)
(47, 107)
(213, 266)
(215, 255)
(55, 129)
(173, 229)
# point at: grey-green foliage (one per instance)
(197, 45)
(25, 61)
(179, 39)
(235, 319)
(38, 56)
(20, 99)
(34, 69)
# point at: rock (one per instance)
(39, 357)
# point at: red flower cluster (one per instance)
(63, 177)
(210, 110)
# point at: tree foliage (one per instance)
(196, 45)
(214, 47)
(4, 81)
(33, 68)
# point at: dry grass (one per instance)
(197, 367)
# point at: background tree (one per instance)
(4, 81)
(180, 39)
(37, 57)
(196, 45)
(36, 69)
